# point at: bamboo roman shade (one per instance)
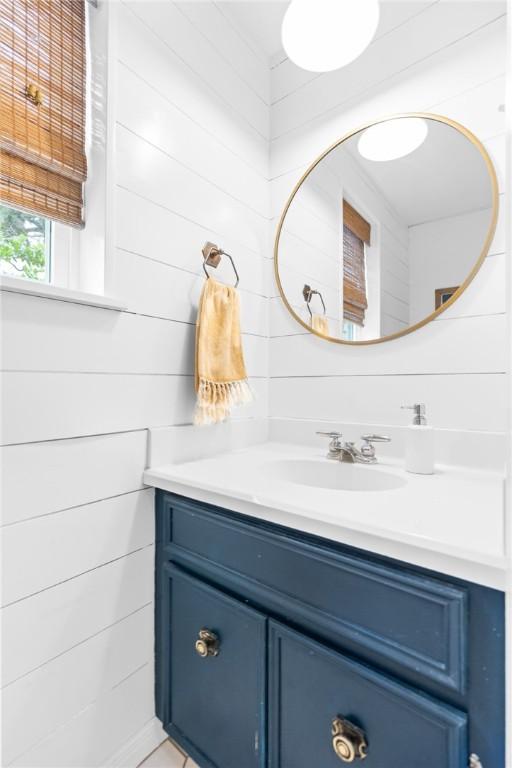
(42, 107)
(355, 222)
(356, 232)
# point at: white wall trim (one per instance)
(48, 291)
(135, 751)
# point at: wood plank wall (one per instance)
(439, 57)
(82, 384)
(194, 123)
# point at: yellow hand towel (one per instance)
(221, 379)
(320, 324)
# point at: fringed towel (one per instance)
(320, 324)
(221, 379)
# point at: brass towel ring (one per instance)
(212, 255)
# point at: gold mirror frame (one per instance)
(483, 254)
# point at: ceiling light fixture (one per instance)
(392, 138)
(323, 35)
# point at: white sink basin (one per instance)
(333, 475)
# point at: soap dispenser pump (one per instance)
(419, 442)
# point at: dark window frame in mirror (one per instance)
(442, 295)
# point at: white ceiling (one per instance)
(259, 22)
(445, 176)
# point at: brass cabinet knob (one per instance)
(348, 741)
(207, 644)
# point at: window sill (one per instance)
(46, 291)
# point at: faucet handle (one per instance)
(368, 448)
(376, 438)
(334, 444)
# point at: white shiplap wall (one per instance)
(309, 247)
(82, 384)
(440, 57)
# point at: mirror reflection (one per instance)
(386, 228)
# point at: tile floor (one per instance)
(168, 756)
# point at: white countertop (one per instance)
(452, 521)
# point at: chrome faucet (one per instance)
(348, 452)
(335, 444)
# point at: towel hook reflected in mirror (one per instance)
(212, 255)
(308, 294)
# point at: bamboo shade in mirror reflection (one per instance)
(354, 279)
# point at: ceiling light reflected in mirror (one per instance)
(393, 139)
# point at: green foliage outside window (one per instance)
(23, 250)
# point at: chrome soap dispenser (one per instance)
(419, 442)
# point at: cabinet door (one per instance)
(216, 704)
(321, 701)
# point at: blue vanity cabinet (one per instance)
(364, 602)
(214, 673)
(313, 636)
(317, 696)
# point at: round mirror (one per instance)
(386, 229)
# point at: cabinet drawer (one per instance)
(310, 686)
(366, 605)
(213, 705)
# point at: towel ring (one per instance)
(212, 255)
(308, 293)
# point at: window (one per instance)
(34, 248)
(349, 331)
(25, 244)
(42, 132)
(442, 295)
(356, 233)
